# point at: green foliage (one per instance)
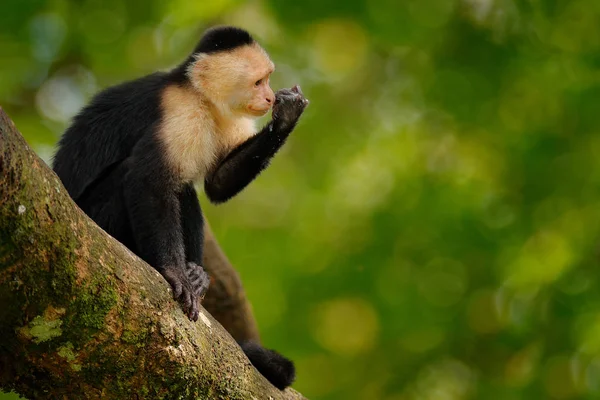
(431, 228)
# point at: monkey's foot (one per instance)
(188, 284)
(198, 278)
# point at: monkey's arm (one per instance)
(247, 160)
(243, 164)
(153, 208)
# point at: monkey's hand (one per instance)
(289, 106)
(189, 284)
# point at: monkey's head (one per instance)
(232, 71)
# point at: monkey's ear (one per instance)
(198, 71)
(200, 63)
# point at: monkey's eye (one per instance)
(258, 82)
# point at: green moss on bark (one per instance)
(67, 352)
(137, 337)
(40, 329)
(91, 305)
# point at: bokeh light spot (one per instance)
(543, 258)
(48, 32)
(346, 326)
(340, 46)
(446, 379)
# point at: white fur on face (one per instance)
(195, 136)
(227, 78)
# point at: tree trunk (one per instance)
(82, 317)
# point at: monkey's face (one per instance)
(237, 80)
(261, 97)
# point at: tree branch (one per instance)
(83, 317)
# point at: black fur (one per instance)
(191, 219)
(214, 40)
(112, 165)
(223, 38)
(247, 160)
(105, 132)
(277, 369)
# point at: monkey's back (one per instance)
(105, 132)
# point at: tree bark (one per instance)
(82, 317)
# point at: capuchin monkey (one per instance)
(131, 157)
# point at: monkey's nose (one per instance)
(270, 99)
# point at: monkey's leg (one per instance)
(153, 208)
(192, 223)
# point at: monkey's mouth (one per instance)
(259, 112)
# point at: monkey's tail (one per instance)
(276, 368)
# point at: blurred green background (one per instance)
(431, 229)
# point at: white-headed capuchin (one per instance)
(131, 157)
